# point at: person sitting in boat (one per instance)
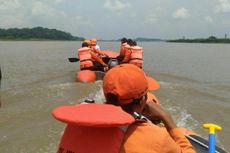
(87, 56)
(87, 41)
(94, 44)
(136, 56)
(122, 50)
(96, 49)
(119, 125)
(133, 53)
(127, 51)
(142, 136)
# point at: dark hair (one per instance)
(84, 44)
(123, 40)
(130, 42)
(113, 99)
(134, 43)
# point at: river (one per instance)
(37, 77)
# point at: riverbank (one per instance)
(211, 39)
(36, 33)
(34, 39)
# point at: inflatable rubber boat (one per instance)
(89, 121)
(91, 76)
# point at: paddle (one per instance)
(201, 144)
(212, 128)
(73, 59)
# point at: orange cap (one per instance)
(93, 41)
(128, 82)
(87, 41)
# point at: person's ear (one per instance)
(143, 101)
(140, 105)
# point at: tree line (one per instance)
(211, 39)
(37, 33)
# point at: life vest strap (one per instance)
(136, 59)
(85, 60)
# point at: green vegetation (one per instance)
(37, 33)
(210, 39)
(148, 39)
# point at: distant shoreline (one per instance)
(211, 39)
(166, 41)
(45, 34)
(35, 40)
(35, 34)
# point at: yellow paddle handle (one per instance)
(212, 127)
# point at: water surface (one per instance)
(37, 77)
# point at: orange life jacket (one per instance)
(136, 55)
(122, 49)
(85, 57)
(98, 128)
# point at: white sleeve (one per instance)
(97, 47)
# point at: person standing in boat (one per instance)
(87, 56)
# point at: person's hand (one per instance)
(106, 68)
(106, 55)
(154, 111)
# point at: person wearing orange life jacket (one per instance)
(127, 51)
(142, 136)
(87, 41)
(86, 57)
(93, 42)
(95, 48)
(122, 50)
(120, 131)
(136, 56)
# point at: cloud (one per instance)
(208, 19)
(154, 15)
(223, 6)
(9, 14)
(39, 8)
(59, 1)
(151, 18)
(181, 13)
(9, 5)
(20, 13)
(13, 21)
(116, 6)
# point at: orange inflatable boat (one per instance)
(105, 134)
(91, 76)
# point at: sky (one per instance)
(114, 19)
